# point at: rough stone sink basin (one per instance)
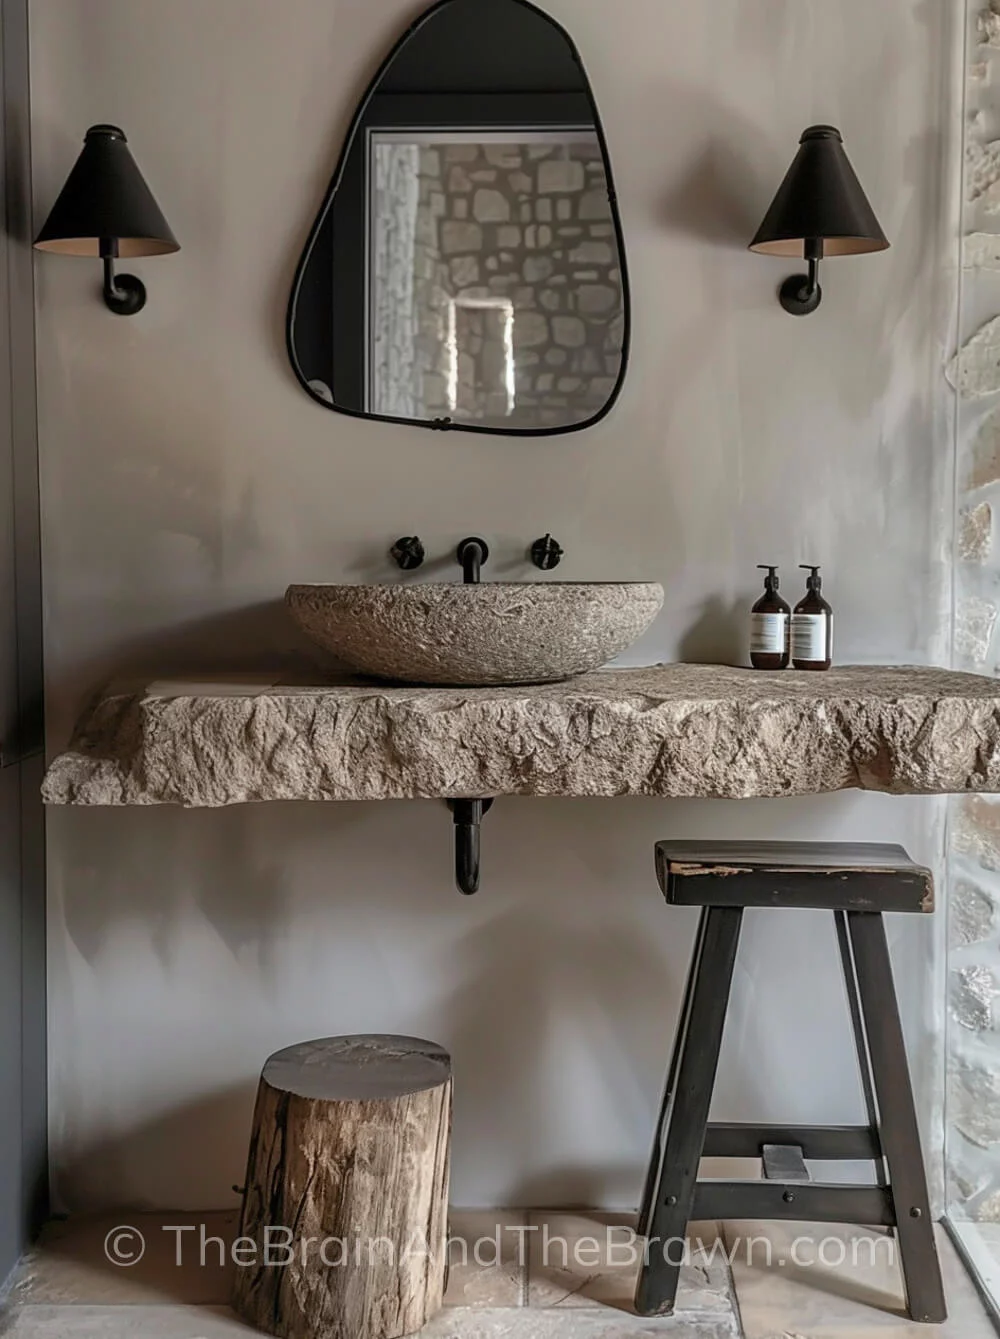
(487, 634)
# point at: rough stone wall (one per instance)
(973, 1087)
(398, 248)
(530, 223)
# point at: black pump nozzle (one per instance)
(814, 581)
(771, 582)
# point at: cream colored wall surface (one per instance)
(187, 479)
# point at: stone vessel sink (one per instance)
(488, 634)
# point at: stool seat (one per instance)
(833, 876)
(858, 884)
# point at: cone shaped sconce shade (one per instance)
(820, 210)
(106, 210)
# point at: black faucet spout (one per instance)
(472, 553)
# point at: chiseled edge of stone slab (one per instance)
(677, 730)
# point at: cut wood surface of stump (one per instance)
(345, 1212)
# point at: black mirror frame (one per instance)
(448, 425)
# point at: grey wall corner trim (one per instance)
(23, 1074)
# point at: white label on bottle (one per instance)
(812, 637)
(768, 634)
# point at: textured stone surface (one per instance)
(975, 620)
(982, 463)
(981, 250)
(974, 1103)
(972, 1111)
(982, 174)
(988, 27)
(975, 533)
(976, 831)
(67, 1288)
(975, 369)
(179, 1322)
(599, 1323)
(458, 312)
(494, 633)
(581, 1260)
(973, 991)
(846, 1286)
(987, 1210)
(973, 915)
(680, 730)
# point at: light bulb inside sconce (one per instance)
(107, 211)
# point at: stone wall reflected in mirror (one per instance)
(467, 269)
(496, 292)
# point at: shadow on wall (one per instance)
(718, 635)
(714, 201)
(243, 945)
(589, 980)
(256, 639)
(556, 988)
(263, 639)
(212, 1127)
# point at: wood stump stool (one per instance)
(346, 1200)
(858, 884)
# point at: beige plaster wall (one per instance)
(187, 479)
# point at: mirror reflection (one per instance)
(467, 268)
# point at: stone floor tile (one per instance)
(577, 1323)
(487, 1258)
(592, 1259)
(859, 1299)
(71, 1262)
(184, 1322)
(122, 1322)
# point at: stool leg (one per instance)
(698, 1046)
(898, 1130)
(860, 1040)
(656, 1157)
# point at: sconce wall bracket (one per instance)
(124, 294)
(801, 294)
(798, 296)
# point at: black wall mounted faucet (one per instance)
(472, 553)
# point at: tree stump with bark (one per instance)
(343, 1233)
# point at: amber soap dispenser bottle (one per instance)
(769, 626)
(812, 626)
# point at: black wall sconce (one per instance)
(820, 210)
(106, 210)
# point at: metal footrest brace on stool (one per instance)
(674, 1196)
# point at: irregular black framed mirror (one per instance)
(467, 267)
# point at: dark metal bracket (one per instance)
(124, 294)
(801, 294)
(468, 814)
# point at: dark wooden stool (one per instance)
(856, 883)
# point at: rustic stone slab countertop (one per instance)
(699, 731)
